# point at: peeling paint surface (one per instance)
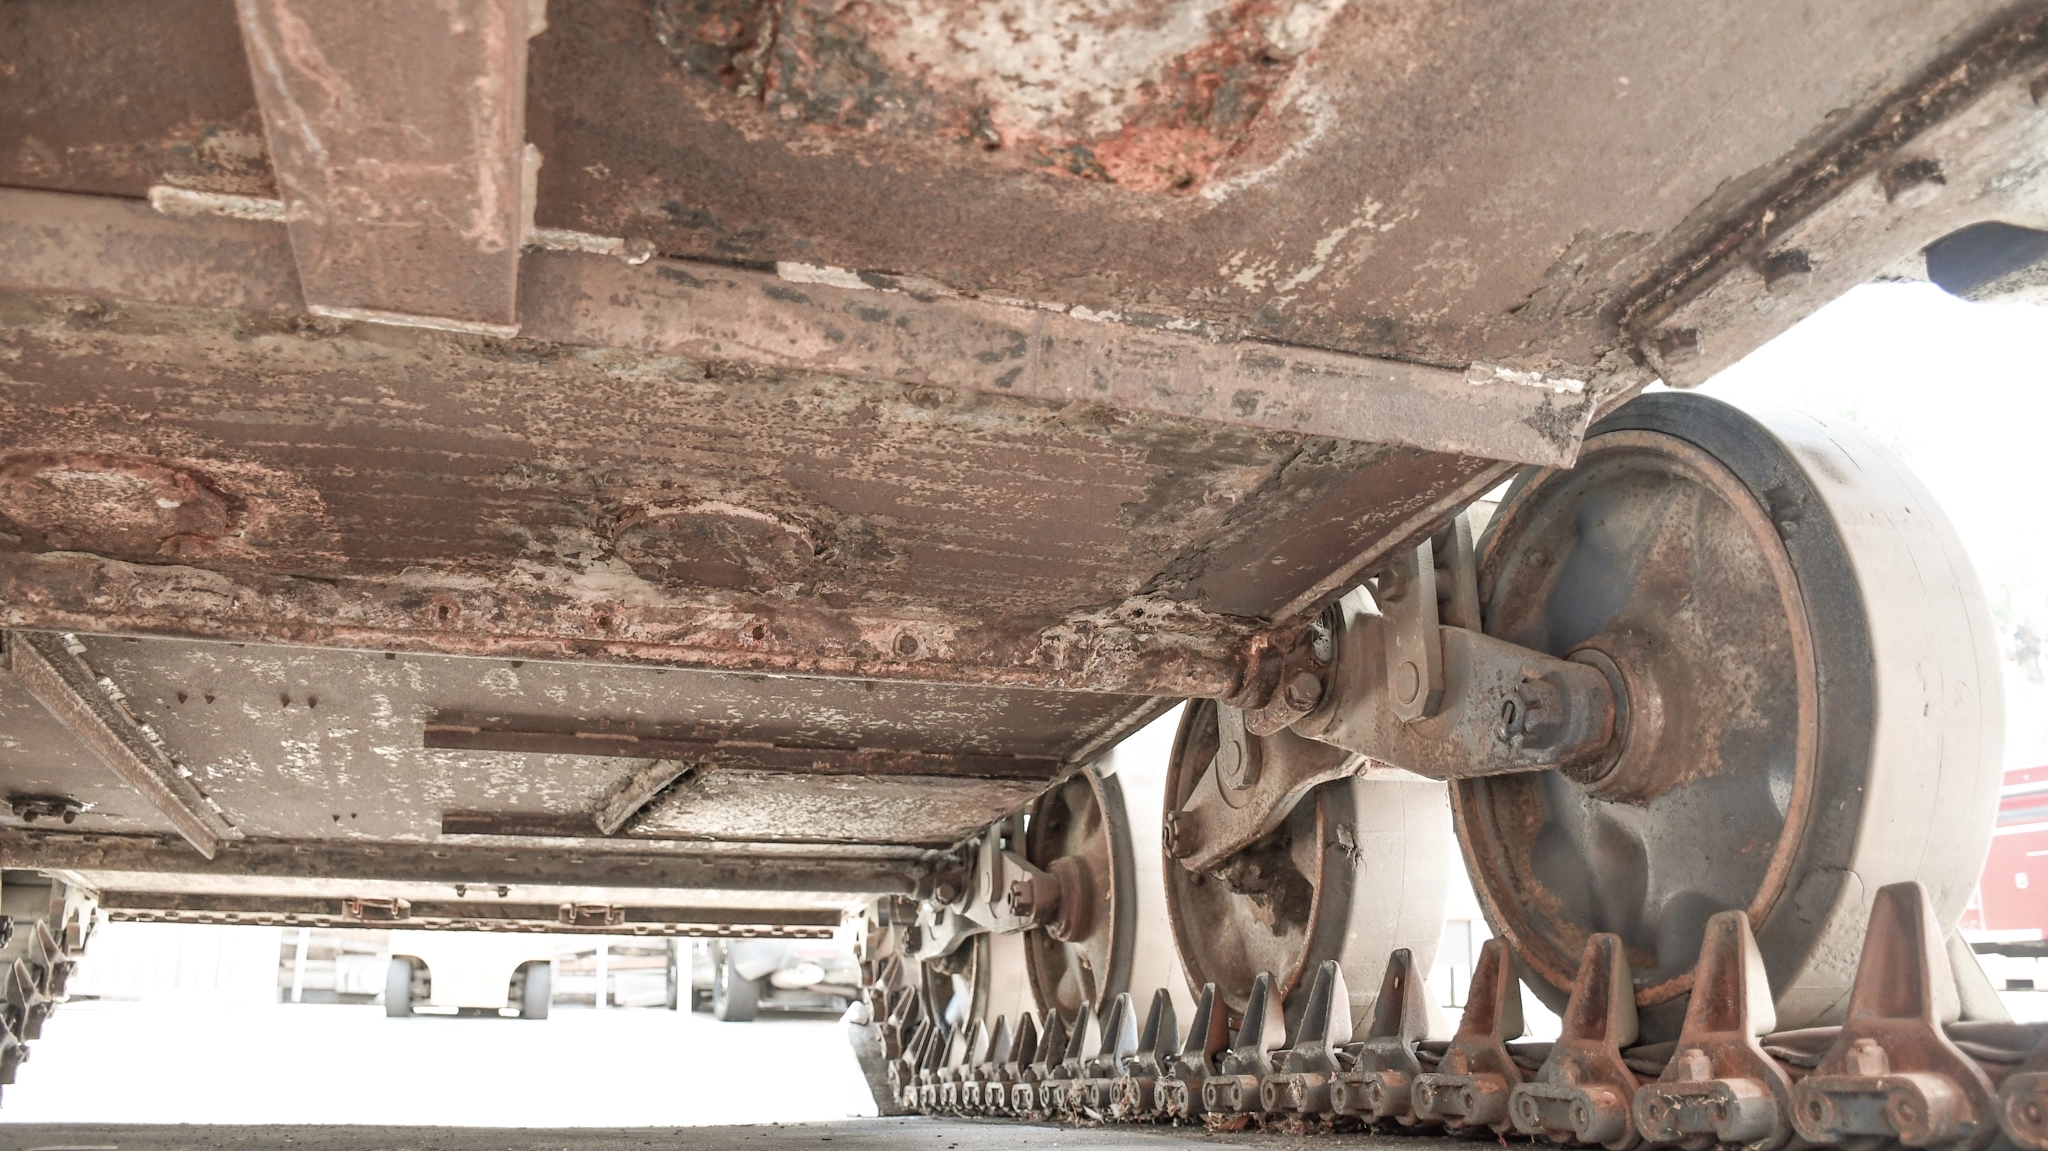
(1105, 458)
(1530, 184)
(1135, 93)
(304, 744)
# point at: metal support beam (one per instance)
(851, 327)
(873, 328)
(638, 790)
(89, 706)
(1960, 147)
(482, 914)
(1169, 652)
(397, 131)
(600, 863)
(456, 734)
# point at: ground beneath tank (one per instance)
(846, 1135)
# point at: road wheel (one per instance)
(1812, 702)
(1357, 870)
(398, 988)
(734, 997)
(537, 992)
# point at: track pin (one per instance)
(1094, 1094)
(974, 1085)
(936, 1049)
(26, 1001)
(1471, 1084)
(1892, 1073)
(1720, 1086)
(1180, 1092)
(1002, 1083)
(1302, 1085)
(1026, 1098)
(1235, 1090)
(1137, 1090)
(933, 1035)
(1582, 1092)
(903, 1068)
(962, 1059)
(1380, 1085)
(13, 1053)
(1058, 1095)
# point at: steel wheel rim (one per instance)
(1899, 780)
(1083, 818)
(1680, 502)
(1201, 908)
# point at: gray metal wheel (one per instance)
(1097, 834)
(1813, 702)
(537, 991)
(1080, 832)
(734, 997)
(1357, 871)
(398, 988)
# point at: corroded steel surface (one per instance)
(1432, 183)
(1432, 180)
(310, 744)
(396, 131)
(47, 669)
(129, 93)
(460, 862)
(1962, 146)
(1008, 368)
(483, 913)
(557, 502)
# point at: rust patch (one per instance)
(125, 507)
(1144, 95)
(711, 543)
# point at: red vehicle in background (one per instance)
(2005, 922)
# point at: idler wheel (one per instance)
(1811, 702)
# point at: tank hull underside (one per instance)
(841, 440)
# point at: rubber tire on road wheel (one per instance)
(538, 992)
(734, 998)
(398, 988)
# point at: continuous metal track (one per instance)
(1925, 1057)
(44, 926)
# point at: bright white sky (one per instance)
(1961, 391)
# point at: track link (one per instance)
(1909, 1065)
(40, 942)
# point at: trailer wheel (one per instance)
(1812, 702)
(537, 991)
(734, 997)
(398, 988)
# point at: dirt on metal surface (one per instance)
(130, 94)
(1426, 183)
(857, 1134)
(311, 744)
